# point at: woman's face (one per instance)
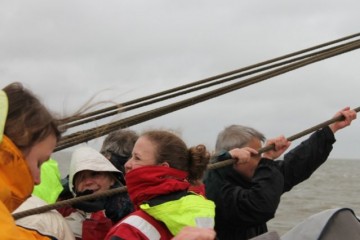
(92, 180)
(38, 154)
(143, 154)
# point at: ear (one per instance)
(165, 164)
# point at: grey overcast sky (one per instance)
(69, 51)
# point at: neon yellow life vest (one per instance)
(189, 210)
(50, 186)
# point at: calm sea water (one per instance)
(334, 184)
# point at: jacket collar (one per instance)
(147, 182)
(16, 182)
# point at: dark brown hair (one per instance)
(28, 121)
(171, 149)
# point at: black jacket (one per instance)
(242, 207)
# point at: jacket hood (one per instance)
(87, 158)
(3, 112)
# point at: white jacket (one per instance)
(85, 158)
(49, 223)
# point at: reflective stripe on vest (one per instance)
(143, 226)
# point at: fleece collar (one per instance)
(145, 183)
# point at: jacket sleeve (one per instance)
(254, 204)
(303, 160)
(10, 231)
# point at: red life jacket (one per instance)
(139, 225)
(96, 227)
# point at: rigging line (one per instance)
(86, 135)
(70, 119)
(124, 189)
(146, 103)
(89, 134)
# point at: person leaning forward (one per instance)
(28, 135)
(248, 193)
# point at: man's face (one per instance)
(247, 170)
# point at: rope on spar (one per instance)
(112, 110)
(89, 134)
(68, 202)
(291, 138)
(124, 189)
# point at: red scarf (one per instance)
(145, 183)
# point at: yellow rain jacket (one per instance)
(16, 184)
